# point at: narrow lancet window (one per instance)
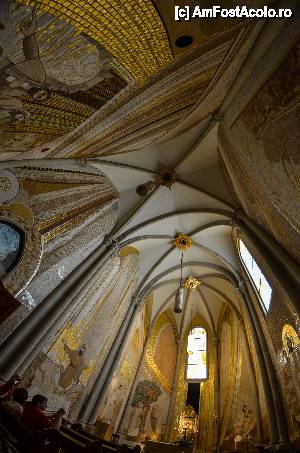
(196, 370)
(259, 281)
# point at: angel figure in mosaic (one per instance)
(23, 78)
(30, 77)
(76, 366)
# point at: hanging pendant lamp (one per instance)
(179, 295)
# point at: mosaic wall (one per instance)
(65, 212)
(143, 31)
(52, 78)
(256, 151)
(227, 349)
(110, 412)
(263, 164)
(238, 390)
(146, 114)
(59, 73)
(66, 368)
(147, 409)
(280, 322)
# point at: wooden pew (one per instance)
(91, 442)
(79, 436)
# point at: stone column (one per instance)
(174, 392)
(274, 435)
(217, 395)
(130, 395)
(88, 411)
(25, 342)
(249, 360)
(180, 343)
(270, 371)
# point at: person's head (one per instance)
(82, 349)
(20, 395)
(15, 378)
(40, 401)
(77, 426)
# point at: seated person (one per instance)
(137, 449)
(7, 388)
(15, 404)
(34, 418)
(77, 427)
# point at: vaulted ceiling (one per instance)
(198, 204)
(118, 93)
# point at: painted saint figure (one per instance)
(75, 367)
(153, 419)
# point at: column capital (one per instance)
(179, 341)
(111, 242)
(217, 116)
(241, 286)
(138, 304)
(238, 217)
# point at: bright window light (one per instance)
(258, 278)
(197, 355)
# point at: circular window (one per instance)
(184, 41)
(11, 246)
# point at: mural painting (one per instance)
(144, 408)
(147, 411)
(110, 413)
(65, 211)
(257, 137)
(66, 370)
(50, 78)
(239, 420)
(289, 365)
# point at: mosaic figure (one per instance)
(75, 368)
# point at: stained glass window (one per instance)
(10, 246)
(262, 286)
(197, 355)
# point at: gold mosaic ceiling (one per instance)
(131, 30)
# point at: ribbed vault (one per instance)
(197, 204)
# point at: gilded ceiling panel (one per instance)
(131, 30)
(52, 78)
